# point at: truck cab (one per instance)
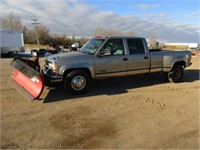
(122, 56)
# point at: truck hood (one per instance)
(71, 58)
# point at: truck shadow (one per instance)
(116, 86)
(7, 56)
(191, 75)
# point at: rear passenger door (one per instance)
(138, 58)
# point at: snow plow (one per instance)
(26, 76)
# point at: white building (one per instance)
(178, 46)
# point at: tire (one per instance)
(176, 74)
(77, 82)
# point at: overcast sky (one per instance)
(168, 20)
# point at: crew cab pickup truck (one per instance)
(112, 57)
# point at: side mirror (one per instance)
(104, 53)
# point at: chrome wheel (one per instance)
(176, 74)
(78, 83)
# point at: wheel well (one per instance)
(181, 63)
(70, 70)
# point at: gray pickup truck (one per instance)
(113, 57)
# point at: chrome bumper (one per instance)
(188, 64)
(52, 78)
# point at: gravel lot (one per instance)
(137, 112)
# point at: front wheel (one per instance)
(77, 82)
(176, 74)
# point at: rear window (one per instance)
(136, 46)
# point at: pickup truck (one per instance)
(112, 57)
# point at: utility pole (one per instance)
(36, 26)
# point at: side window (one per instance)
(136, 46)
(114, 47)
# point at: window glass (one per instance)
(92, 46)
(136, 46)
(115, 47)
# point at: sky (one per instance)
(167, 20)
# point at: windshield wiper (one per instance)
(84, 51)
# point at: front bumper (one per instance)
(188, 64)
(52, 78)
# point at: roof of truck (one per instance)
(113, 37)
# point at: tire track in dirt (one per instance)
(169, 112)
(162, 116)
(157, 103)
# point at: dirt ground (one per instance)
(137, 112)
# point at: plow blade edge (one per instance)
(28, 81)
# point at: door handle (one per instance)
(125, 59)
(145, 57)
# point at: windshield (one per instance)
(92, 46)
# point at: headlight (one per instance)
(51, 62)
(53, 65)
(54, 68)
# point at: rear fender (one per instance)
(170, 61)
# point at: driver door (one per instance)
(111, 60)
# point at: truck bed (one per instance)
(155, 50)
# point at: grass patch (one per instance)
(28, 47)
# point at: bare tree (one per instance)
(25, 34)
(44, 36)
(129, 33)
(29, 37)
(106, 32)
(83, 40)
(11, 22)
(152, 41)
(100, 32)
(58, 38)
